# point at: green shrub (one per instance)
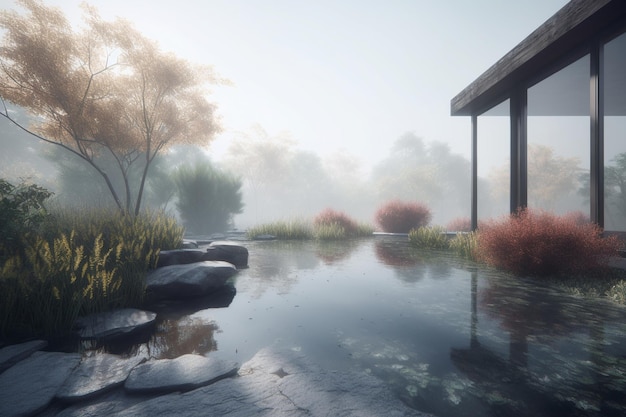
(21, 210)
(293, 229)
(400, 217)
(540, 243)
(429, 237)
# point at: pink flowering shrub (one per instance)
(400, 217)
(540, 243)
(330, 217)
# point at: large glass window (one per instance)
(559, 140)
(615, 134)
(493, 162)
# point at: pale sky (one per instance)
(336, 75)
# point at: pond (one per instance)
(449, 336)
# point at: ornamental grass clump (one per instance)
(289, 230)
(400, 217)
(540, 243)
(429, 237)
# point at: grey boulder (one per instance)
(189, 280)
(180, 256)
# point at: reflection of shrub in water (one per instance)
(394, 254)
(331, 252)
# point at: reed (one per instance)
(433, 237)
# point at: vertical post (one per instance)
(519, 158)
(596, 107)
(474, 198)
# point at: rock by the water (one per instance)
(225, 250)
(30, 385)
(10, 355)
(265, 237)
(189, 280)
(180, 257)
(114, 323)
(184, 373)
(189, 244)
(95, 375)
(279, 382)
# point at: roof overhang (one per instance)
(561, 35)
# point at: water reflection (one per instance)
(175, 338)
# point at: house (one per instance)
(548, 120)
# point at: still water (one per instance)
(449, 336)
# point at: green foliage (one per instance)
(207, 198)
(335, 224)
(21, 209)
(429, 237)
(293, 229)
(400, 217)
(465, 244)
(541, 243)
(330, 231)
(83, 262)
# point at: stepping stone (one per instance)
(190, 280)
(114, 323)
(225, 250)
(10, 355)
(184, 373)
(30, 385)
(180, 257)
(95, 375)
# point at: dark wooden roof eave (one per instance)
(567, 30)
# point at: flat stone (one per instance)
(184, 373)
(225, 250)
(95, 375)
(30, 385)
(114, 323)
(277, 382)
(10, 355)
(189, 244)
(190, 280)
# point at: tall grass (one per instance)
(429, 237)
(465, 245)
(82, 262)
(290, 230)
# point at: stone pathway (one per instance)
(275, 382)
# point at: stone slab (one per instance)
(181, 374)
(189, 280)
(10, 355)
(95, 375)
(114, 323)
(29, 386)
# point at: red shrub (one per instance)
(400, 217)
(540, 243)
(329, 217)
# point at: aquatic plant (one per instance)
(429, 237)
(291, 229)
(400, 217)
(531, 242)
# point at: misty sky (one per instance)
(336, 75)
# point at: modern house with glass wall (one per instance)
(548, 120)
